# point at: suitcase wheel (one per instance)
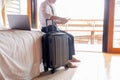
(66, 66)
(45, 68)
(53, 70)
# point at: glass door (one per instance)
(116, 33)
(114, 26)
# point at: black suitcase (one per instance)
(55, 50)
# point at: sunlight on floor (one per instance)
(115, 68)
(88, 47)
(98, 66)
(93, 66)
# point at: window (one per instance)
(80, 9)
(13, 7)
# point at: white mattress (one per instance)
(20, 54)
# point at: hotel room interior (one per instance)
(94, 25)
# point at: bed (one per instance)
(20, 54)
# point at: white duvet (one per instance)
(20, 54)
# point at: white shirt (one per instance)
(45, 12)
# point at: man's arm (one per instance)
(59, 20)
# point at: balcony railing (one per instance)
(84, 31)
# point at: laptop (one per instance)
(20, 22)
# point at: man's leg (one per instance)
(71, 45)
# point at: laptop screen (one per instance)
(20, 22)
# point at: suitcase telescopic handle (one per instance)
(47, 23)
(49, 20)
(53, 23)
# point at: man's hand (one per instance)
(64, 20)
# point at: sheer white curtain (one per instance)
(0, 13)
(2, 5)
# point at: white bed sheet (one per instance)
(20, 54)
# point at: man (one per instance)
(47, 11)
